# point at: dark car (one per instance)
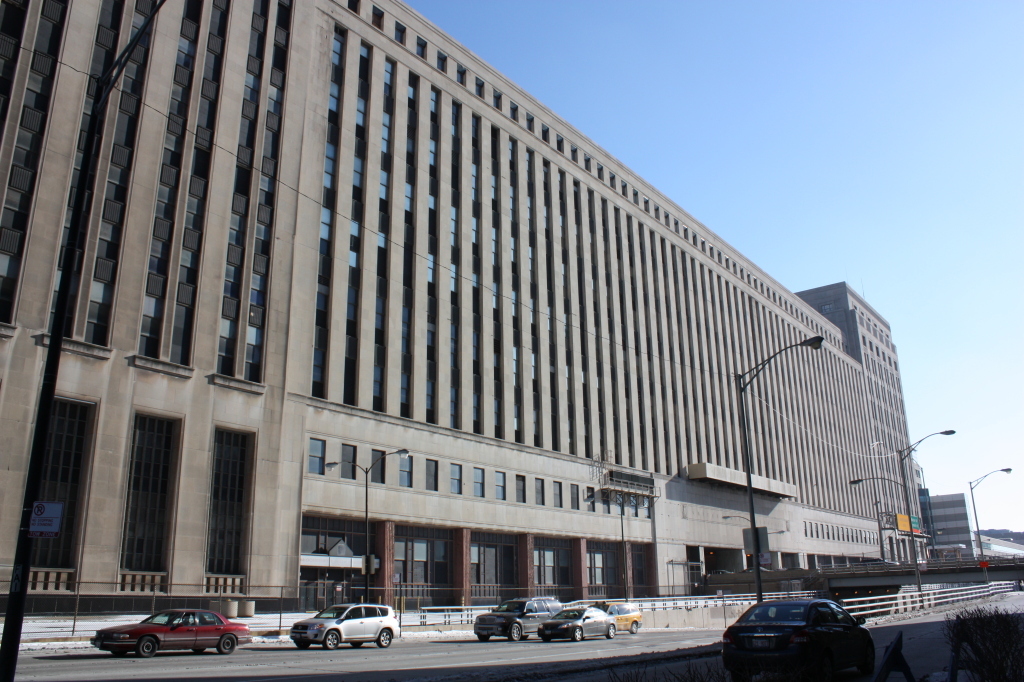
(516, 618)
(811, 638)
(176, 629)
(577, 623)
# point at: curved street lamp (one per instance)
(403, 453)
(742, 382)
(878, 510)
(904, 455)
(974, 484)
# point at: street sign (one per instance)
(748, 539)
(396, 577)
(766, 558)
(45, 520)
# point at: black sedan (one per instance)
(809, 638)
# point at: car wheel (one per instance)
(356, 645)
(118, 654)
(384, 638)
(867, 666)
(634, 627)
(577, 634)
(546, 638)
(146, 647)
(199, 650)
(484, 638)
(610, 634)
(332, 640)
(303, 645)
(227, 644)
(515, 632)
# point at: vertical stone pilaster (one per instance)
(461, 578)
(386, 551)
(628, 588)
(579, 568)
(526, 583)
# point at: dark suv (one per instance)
(516, 618)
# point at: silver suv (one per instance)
(349, 623)
(516, 618)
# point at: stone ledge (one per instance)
(237, 384)
(82, 348)
(161, 366)
(7, 330)
(719, 474)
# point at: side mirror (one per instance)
(861, 620)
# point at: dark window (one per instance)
(431, 474)
(421, 47)
(354, 5)
(227, 503)
(521, 489)
(538, 491)
(560, 143)
(497, 100)
(377, 470)
(545, 133)
(499, 485)
(144, 546)
(478, 481)
(591, 499)
(400, 33)
(378, 18)
(405, 472)
(62, 470)
(479, 87)
(456, 479)
(442, 61)
(556, 494)
(513, 111)
(316, 456)
(348, 462)
(574, 496)
(529, 122)
(460, 74)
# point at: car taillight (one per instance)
(727, 638)
(800, 637)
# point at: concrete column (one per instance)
(627, 573)
(579, 568)
(385, 548)
(653, 587)
(526, 583)
(461, 578)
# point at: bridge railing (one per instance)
(887, 605)
(930, 565)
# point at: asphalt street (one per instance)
(459, 656)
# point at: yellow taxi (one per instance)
(627, 616)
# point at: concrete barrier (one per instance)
(708, 618)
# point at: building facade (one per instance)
(324, 232)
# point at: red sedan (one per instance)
(177, 629)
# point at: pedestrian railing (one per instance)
(887, 605)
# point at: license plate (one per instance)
(760, 643)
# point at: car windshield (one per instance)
(775, 613)
(569, 614)
(162, 618)
(332, 612)
(514, 605)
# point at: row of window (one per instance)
(827, 531)
(474, 483)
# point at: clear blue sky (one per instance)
(880, 143)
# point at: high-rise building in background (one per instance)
(322, 232)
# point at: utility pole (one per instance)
(15, 616)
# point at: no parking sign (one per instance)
(45, 522)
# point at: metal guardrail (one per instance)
(887, 605)
(931, 565)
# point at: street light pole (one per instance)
(881, 540)
(69, 258)
(403, 453)
(742, 382)
(904, 456)
(977, 529)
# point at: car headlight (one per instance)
(120, 635)
(318, 626)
